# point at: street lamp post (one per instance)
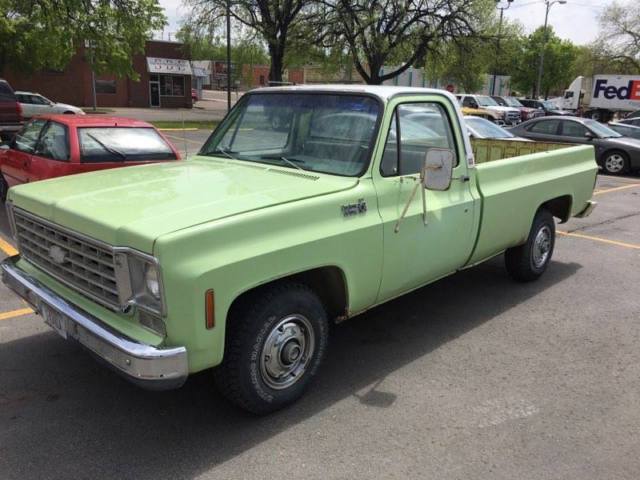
(549, 4)
(497, 64)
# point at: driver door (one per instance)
(16, 166)
(416, 252)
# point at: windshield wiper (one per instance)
(225, 152)
(289, 161)
(109, 149)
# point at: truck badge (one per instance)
(57, 254)
(354, 208)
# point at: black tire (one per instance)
(244, 377)
(4, 189)
(615, 162)
(529, 261)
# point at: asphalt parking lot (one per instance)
(186, 141)
(473, 377)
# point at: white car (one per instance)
(36, 104)
(509, 115)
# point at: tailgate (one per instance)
(513, 189)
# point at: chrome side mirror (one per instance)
(437, 169)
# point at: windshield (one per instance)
(485, 101)
(549, 105)
(601, 130)
(326, 133)
(481, 128)
(513, 102)
(120, 144)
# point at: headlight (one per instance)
(139, 281)
(151, 281)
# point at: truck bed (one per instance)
(515, 178)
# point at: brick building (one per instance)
(164, 80)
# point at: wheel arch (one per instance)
(328, 282)
(560, 207)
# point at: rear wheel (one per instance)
(528, 262)
(275, 344)
(615, 163)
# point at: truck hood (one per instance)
(133, 206)
(499, 108)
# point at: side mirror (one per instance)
(437, 169)
(589, 135)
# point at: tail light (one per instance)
(19, 109)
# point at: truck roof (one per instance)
(382, 91)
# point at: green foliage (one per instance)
(619, 42)
(41, 34)
(559, 63)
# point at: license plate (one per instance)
(54, 319)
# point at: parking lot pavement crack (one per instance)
(608, 221)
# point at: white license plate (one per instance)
(54, 319)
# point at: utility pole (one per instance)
(228, 55)
(497, 64)
(549, 4)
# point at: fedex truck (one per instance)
(601, 96)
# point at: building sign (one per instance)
(168, 65)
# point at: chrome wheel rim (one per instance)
(287, 351)
(541, 246)
(614, 163)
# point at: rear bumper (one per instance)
(147, 366)
(591, 205)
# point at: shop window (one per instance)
(172, 86)
(105, 86)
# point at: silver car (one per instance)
(35, 104)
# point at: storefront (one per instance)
(164, 80)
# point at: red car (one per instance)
(56, 145)
(194, 95)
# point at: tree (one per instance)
(620, 35)
(559, 62)
(42, 34)
(277, 22)
(382, 32)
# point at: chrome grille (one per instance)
(81, 263)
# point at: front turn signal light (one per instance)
(210, 315)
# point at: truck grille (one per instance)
(513, 117)
(80, 263)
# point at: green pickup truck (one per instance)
(307, 205)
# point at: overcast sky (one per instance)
(576, 20)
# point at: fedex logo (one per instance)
(631, 91)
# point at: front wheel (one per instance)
(528, 262)
(275, 344)
(615, 163)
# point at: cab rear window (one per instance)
(122, 144)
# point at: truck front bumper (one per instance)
(147, 366)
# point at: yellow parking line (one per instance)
(615, 189)
(598, 239)
(15, 313)
(7, 248)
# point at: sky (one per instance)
(576, 20)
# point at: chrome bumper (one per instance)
(591, 205)
(147, 366)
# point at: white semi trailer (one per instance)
(601, 96)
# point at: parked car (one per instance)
(547, 107)
(635, 121)
(483, 128)
(242, 256)
(10, 111)
(57, 145)
(615, 153)
(625, 129)
(492, 116)
(35, 104)
(526, 113)
(505, 115)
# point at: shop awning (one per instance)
(173, 66)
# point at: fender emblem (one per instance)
(354, 208)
